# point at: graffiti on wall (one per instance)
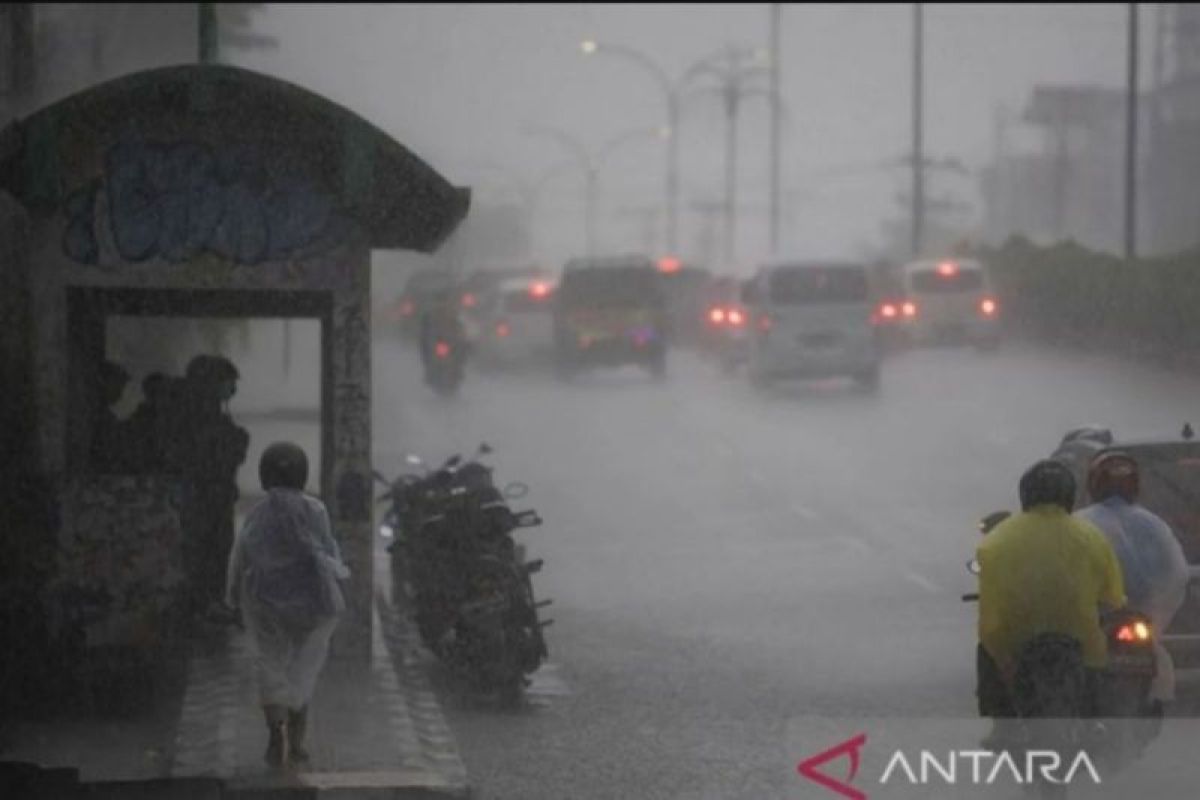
(176, 201)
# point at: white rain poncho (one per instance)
(1155, 569)
(283, 573)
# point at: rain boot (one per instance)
(297, 726)
(277, 745)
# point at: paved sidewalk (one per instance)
(376, 731)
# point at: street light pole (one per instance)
(775, 134)
(671, 91)
(590, 162)
(731, 109)
(1131, 150)
(918, 174)
(672, 172)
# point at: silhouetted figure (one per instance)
(213, 449)
(148, 426)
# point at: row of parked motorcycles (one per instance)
(1050, 695)
(458, 571)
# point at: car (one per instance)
(478, 294)
(1170, 487)
(611, 312)
(812, 319)
(518, 324)
(951, 301)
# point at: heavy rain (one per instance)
(582, 401)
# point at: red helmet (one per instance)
(1113, 473)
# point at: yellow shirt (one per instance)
(1044, 571)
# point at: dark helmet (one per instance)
(1048, 482)
(1114, 473)
(283, 466)
(211, 369)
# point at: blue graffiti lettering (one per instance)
(176, 201)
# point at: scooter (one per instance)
(1050, 693)
(445, 365)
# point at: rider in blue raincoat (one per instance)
(1153, 564)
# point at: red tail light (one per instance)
(502, 329)
(988, 307)
(407, 308)
(717, 316)
(539, 290)
(442, 350)
(909, 309)
(735, 317)
(1134, 632)
(469, 300)
(764, 324)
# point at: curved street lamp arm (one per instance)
(641, 58)
(700, 69)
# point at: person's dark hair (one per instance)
(283, 466)
(211, 369)
(1048, 482)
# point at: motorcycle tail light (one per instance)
(442, 350)
(1134, 632)
(502, 330)
(988, 307)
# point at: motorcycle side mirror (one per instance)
(992, 520)
(485, 449)
(973, 566)
(515, 490)
(452, 462)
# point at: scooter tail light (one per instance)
(1134, 632)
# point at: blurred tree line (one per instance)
(1067, 294)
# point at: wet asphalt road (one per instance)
(724, 560)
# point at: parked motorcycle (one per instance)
(457, 567)
(1051, 697)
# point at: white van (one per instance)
(949, 300)
(812, 319)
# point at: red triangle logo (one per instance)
(851, 748)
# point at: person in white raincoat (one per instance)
(283, 575)
(1155, 569)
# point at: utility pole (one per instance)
(208, 33)
(731, 109)
(918, 175)
(1131, 150)
(775, 133)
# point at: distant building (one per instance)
(1073, 185)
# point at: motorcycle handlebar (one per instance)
(973, 597)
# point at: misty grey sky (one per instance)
(456, 83)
